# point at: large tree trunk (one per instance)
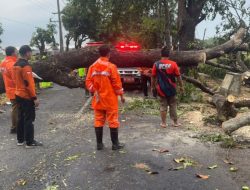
(56, 69)
(86, 56)
(189, 16)
(225, 107)
(236, 123)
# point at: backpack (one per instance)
(166, 82)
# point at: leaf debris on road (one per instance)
(21, 182)
(72, 158)
(213, 167)
(161, 150)
(146, 168)
(233, 169)
(226, 161)
(201, 176)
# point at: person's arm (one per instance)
(117, 83)
(154, 78)
(30, 83)
(89, 82)
(179, 79)
(180, 82)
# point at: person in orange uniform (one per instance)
(26, 99)
(6, 69)
(103, 80)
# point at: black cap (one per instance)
(24, 49)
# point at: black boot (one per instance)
(99, 134)
(114, 138)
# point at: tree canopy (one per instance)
(42, 37)
(150, 22)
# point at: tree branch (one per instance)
(198, 84)
(226, 67)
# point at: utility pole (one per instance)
(60, 26)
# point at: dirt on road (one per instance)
(68, 160)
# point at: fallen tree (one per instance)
(236, 123)
(86, 56)
(57, 68)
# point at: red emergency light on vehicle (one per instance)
(128, 46)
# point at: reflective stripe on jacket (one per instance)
(104, 81)
(25, 84)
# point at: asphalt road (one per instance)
(69, 160)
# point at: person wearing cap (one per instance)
(6, 68)
(25, 98)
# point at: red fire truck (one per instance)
(129, 75)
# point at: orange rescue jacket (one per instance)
(25, 84)
(6, 68)
(104, 81)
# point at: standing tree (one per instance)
(111, 20)
(81, 19)
(192, 12)
(1, 31)
(43, 37)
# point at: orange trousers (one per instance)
(111, 116)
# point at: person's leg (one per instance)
(20, 124)
(144, 85)
(100, 117)
(29, 118)
(163, 110)
(112, 117)
(173, 110)
(14, 117)
(87, 93)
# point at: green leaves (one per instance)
(1, 31)
(42, 37)
(72, 158)
(233, 169)
(245, 188)
(213, 167)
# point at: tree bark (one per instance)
(242, 103)
(225, 107)
(236, 42)
(189, 16)
(58, 74)
(221, 66)
(198, 84)
(56, 68)
(84, 57)
(236, 123)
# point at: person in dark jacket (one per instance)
(25, 98)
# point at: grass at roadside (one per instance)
(145, 106)
(3, 99)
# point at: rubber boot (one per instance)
(99, 134)
(115, 141)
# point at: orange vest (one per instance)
(104, 81)
(6, 68)
(25, 84)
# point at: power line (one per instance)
(17, 21)
(64, 3)
(42, 8)
(52, 5)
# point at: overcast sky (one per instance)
(20, 17)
